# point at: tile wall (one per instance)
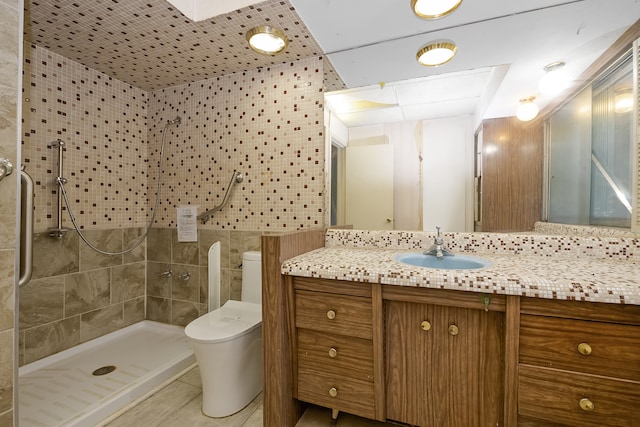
(10, 29)
(266, 123)
(179, 298)
(77, 294)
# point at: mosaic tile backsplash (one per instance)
(549, 246)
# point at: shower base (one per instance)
(61, 390)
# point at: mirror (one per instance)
(432, 154)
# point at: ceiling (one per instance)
(369, 44)
(503, 46)
(151, 45)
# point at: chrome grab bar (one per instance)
(26, 227)
(236, 178)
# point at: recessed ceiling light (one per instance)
(267, 40)
(434, 9)
(436, 53)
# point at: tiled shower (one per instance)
(266, 123)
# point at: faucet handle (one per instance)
(438, 238)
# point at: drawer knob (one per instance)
(333, 392)
(331, 314)
(453, 330)
(333, 352)
(584, 349)
(425, 325)
(586, 405)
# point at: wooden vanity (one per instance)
(438, 357)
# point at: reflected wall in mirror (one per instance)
(444, 147)
(591, 152)
(410, 175)
(591, 156)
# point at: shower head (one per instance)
(175, 121)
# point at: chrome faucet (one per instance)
(438, 248)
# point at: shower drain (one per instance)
(104, 370)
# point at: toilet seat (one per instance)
(233, 319)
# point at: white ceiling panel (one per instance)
(372, 117)
(441, 109)
(444, 87)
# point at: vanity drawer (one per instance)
(337, 392)
(599, 348)
(339, 314)
(338, 354)
(574, 399)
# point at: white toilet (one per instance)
(227, 343)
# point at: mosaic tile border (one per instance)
(549, 246)
(581, 230)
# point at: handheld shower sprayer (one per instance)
(175, 121)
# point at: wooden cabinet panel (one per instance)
(511, 183)
(554, 395)
(352, 396)
(335, 363)
(347, 356)
(609, 349)
(350, 316)
(437, 378)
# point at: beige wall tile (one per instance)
(100, 322)
(52, 257)
(41, 301)
(127, 281)
(7, 298)
(6, 370)
(86, 291)
(182, 288)
(159, 309)
(183, 252)
(129, 237)
(159, 245)
(183, 312)
(51, 338)
(158, 285)
(134, 310)
(105, 240)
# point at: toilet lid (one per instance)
(233, 319)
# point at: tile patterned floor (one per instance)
(178, 404)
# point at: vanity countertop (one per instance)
(562, 278)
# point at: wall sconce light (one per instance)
(527, 110)
(437, 53)
(267, 40)
(434, 9)
(554, 80)
(623, 100)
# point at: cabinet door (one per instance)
(448, 372)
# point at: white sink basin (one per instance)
(453, 262)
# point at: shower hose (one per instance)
(139, 241)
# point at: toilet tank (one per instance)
(252, 277)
